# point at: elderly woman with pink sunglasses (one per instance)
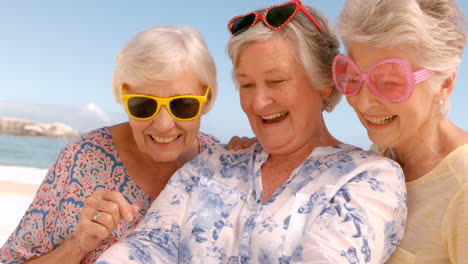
(298, 195)
(102, 184)
(398, 76)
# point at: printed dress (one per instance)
(84, 165)
(341, 205)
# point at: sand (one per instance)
(15, 198)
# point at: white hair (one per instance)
(433, 31)
(314, 50)
(162, 53)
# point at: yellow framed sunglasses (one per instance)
(181, 107)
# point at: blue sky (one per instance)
(61, 53)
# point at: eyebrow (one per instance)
(274, 70)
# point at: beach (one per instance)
(18, 185)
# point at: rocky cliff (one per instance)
(28, 128)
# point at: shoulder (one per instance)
(95, 148)
(457, 162)
(216, 161)
(206, 140)
(359, 161)
(217, 154)
(101, 138)
(363, 156)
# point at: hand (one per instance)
(237, 143)
(101, 214)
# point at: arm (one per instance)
(31, 237)
(363, 222)
(156, 238)
(455, 225)
(68, 252)
(57, 227)
(91, 232)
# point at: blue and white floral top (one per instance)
(342, 205)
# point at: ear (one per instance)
(326, 92)
(446, 88)
(123, 87)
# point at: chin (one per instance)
(272, 145)
(165, 157)
(379, 140)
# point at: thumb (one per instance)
(135, 209)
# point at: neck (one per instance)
(293, 159)
(421, 153)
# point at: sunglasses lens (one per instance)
(142, 107)
(346, 77)
(277, 16)
(390, 81)
(185, 108)
(242, 23)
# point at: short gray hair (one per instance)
(162, 53)
(314, 50)
(434, 30)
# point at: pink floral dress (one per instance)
(84, 165)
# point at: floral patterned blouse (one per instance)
(88, 163)
(341, 205)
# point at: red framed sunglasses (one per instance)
(274, 17)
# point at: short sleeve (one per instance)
(206, 141)
(455, 226)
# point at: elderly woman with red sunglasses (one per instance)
(166, 79)
(398, 76)
(298, 195)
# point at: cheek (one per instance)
(245, 100)
(191, 128)
(351, 100)
(138, 126)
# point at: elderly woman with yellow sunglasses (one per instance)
(299, 195)
(114, 173)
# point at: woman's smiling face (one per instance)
(391, 124)
(162, 137)
(284, 109)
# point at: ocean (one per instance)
(26, 151)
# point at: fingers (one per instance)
(89, 234)
(233, 143)
(124, 208)
(113, 203)
(100, 226)
(237, 143)
(100, 216)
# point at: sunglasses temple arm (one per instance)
(311, 18)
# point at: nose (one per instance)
(163, 121)
(262, 98)
(364, 99)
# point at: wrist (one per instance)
(76, 247)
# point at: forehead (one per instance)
(267, 56)
(187, 82)
(366, 56)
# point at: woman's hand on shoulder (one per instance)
(101, 214)
(237, 143)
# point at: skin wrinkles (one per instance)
(277, 85)
(419, 135)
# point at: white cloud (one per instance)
(81, 119)
(92, 110)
